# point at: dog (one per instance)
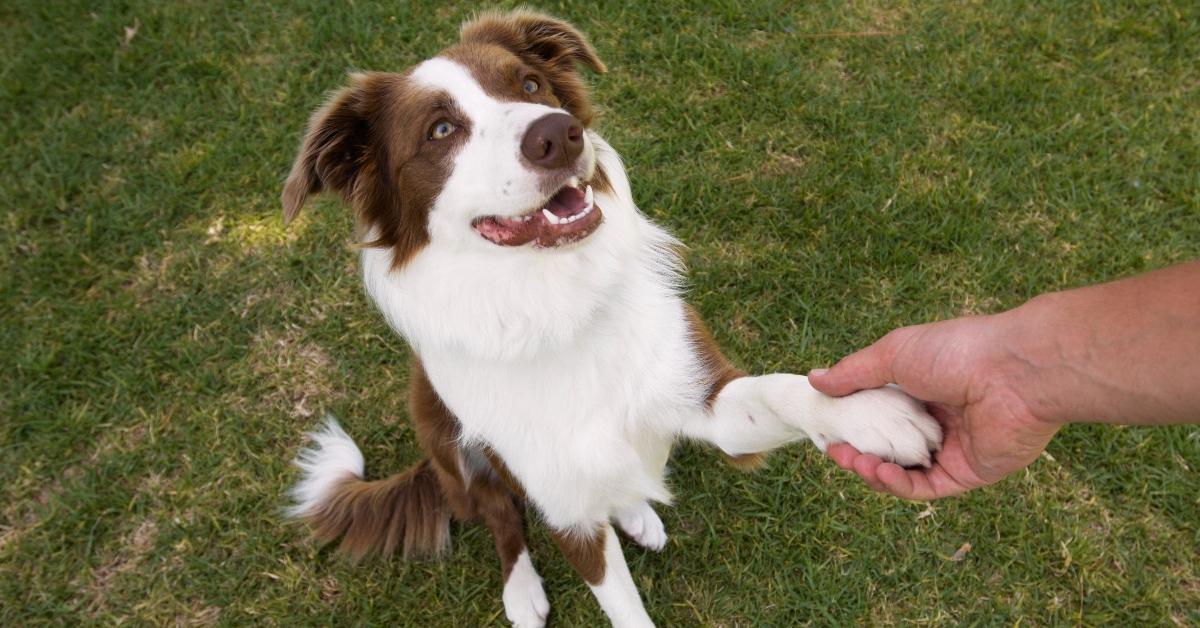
(555, 360)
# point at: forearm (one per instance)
(1126, 352)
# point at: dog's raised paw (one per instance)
(525, 603)
(888, 423)
(644, 526)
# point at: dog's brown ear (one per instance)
(535, 36)
(549, 44)
(333, 147)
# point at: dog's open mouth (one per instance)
(569, 216)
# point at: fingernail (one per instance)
(817, 372)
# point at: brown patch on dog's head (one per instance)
(550, 48)
(369, 143)
(600, 180)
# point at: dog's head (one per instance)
(485, 145)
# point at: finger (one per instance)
(925, 484)
(867, 368)
(866, 466)
(906, 484)
(843, 454)
(942, 484)
(896, 480)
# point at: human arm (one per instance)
(1125, 352)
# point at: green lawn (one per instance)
(836, 170)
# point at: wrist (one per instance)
(1041, 341)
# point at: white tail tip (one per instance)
(332, 458)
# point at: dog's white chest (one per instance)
(587, 431)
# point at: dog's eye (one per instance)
(442, 129)
(531, 85)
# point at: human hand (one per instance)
(965, 371)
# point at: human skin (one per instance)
(1124, 352)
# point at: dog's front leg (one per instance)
(596, 555)
(756, 414)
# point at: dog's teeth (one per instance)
(587, 197)
(550, 216)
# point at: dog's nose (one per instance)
(553, 141)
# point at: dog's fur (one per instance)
(554, 374)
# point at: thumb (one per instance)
(867, 368)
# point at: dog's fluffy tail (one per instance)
(406, 511)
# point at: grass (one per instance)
(837, 169)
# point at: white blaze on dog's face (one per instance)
(484, 146)
(523, 173)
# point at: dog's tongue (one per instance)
(557, 222)
(506, 232)
(568, 202)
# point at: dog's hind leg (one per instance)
(596, 555)
(525, 602)
(477, 485)
(644, 526)
(498, 500)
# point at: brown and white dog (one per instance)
(556, 362)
